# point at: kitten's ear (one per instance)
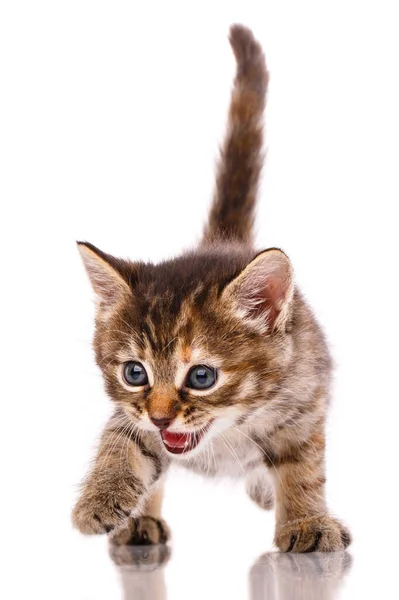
(261, 294)
(109, 286)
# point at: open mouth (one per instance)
(179, 442)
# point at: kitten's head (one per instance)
(192, 346)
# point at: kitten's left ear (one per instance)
(262, 293)
(108, 284)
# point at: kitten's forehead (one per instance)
(175, 317)
(171, 297)
(180, 338)
(197, 351)
(170, 340)
(168, 319)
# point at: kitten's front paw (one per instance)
(100, 511)
(141, 531)
(313, 534)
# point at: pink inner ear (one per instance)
(269, 297)
(266, 286)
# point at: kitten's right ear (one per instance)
(109, 286)
(262, 293)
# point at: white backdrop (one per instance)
(110, 117)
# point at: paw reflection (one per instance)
(142, 570)
(316, 576)
(274, 576)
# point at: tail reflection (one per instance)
(315, 576)
(142, 570)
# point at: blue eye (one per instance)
(135, 374)
(201, 377)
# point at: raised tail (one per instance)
(241, 158)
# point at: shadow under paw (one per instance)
(141, 531)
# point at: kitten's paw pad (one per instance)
(96, 514)
(141, 531)
(313, 534)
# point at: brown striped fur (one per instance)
(240, 165)
(226, 305)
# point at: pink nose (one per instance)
(161, 423)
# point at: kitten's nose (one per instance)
(162, 423)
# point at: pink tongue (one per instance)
(176, 440)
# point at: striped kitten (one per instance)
(214, 360)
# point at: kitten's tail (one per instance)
(240, 164)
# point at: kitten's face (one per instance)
(173, 353)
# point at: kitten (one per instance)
(214, 360)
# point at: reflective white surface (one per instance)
(221, 548)
(85, 570)
(143, 575)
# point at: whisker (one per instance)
(213, 454)
(106, 331)
(231, 450)
(113, 441)
(125, 445)
(169, 343)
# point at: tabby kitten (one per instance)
(214, 360)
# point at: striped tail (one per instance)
(231, 216)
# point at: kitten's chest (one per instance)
(224, 457)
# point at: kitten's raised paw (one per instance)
(141, 531)
(313, 534)
(102, 511)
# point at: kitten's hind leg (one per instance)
(147, 529)
(259, 488)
